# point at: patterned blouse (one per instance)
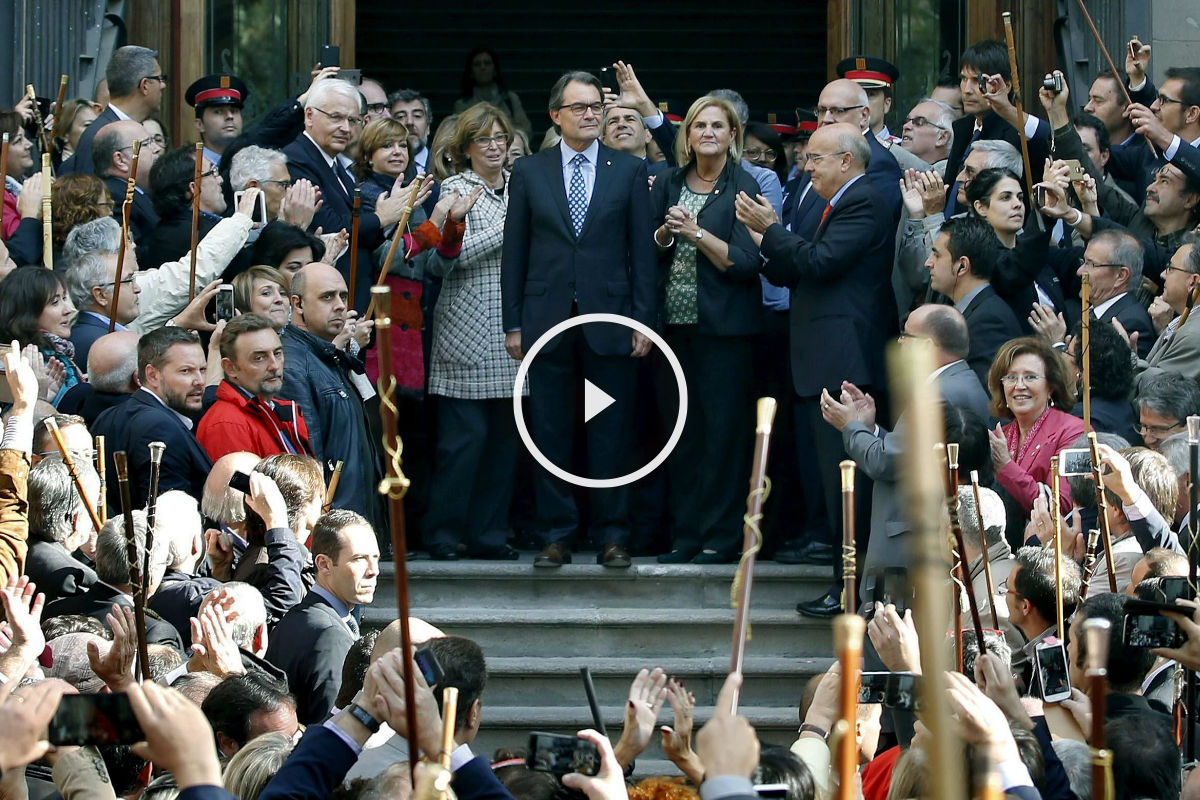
(681, 280)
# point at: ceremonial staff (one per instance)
(964, 569)
(957, 586)
(849, 551)
(334, 480)
(919, 479)
(47, 215)
(987, 558)
(1193, 431)
(743, 578)
(354, 211)
(1101, 514)
(848, 632)
(156, 454)
(1191, 301)
(391, 253)
(198, 176)
(449, 715)
(1096, 632)
(126, 210)
(1016, 85)
(69, 463)
(394, 485)
(135, 567)
(1089, 562)
(1085, 350)
(102, 471)
(62, 97)
(44, 137)
(3, 164)
(1060, 631)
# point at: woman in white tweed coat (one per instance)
(470, 372)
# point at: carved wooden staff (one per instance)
(1085, 350)
(334, 480)
(964, 569)
(47, 215)
(354, 212)
(394, 485)
(58, 107)
(849, 550)
(102, 471)
(449, 717)
(1089, 562)
(373, 308)
(743, 578)
(1101, 514)
(1097, 631)
(156, 454)
(135, 568)
(957, 585)
(126, 210)
(1060, 631)
(197, 178)
(69, 463)
(44, 137)
(984, 554)
(1190, 688)
(1016, 85)
(923, 495)
(848, 632)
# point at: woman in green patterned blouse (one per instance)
(710, 304)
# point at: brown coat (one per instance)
(14, 513)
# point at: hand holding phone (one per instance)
(1054, 677)
(561, 755)
(86, 719)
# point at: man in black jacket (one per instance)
(58, 526)
(112, 158)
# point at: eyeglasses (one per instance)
(837, 111)
(377, 108)
(1088, 263)
(76, 454)
(759, 152)
(578, 109)
(1158, 430)
(281, 184)
(125, 282)
(1028, 380)
(811, 157)
(500, 140)
(921, 122)
(160, 78)
(1003, 588)
(1163, 99)
(1172, 268)
(144, 143)
(211, 172)
(338, 119)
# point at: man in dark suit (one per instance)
(841, 300)
(91, 282)
(311, 641)
(331, 117)
(112, 155)
(960, 266)
(171, 366)
(135, 89)
(1113, 261)
(577, 241)
(58, 526)
(112, 377)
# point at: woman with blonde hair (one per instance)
(711, 306)
(263, 290)
(253, 767)
(70, 122)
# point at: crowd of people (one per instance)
(773, 260)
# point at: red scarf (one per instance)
(1013, 434)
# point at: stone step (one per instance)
(584, 584)
(525, 680)
(510, 726)
(638, 633)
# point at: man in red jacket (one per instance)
(247, 415)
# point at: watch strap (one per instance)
(364, 716)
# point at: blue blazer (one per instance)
(883, 172)
(84, 333)
(610, 267)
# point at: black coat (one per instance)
(56, 573)
(990, 323)
(1134, 318)
(309, 644)
(84, 400)
(729, 302)
(172, 239)
(143, 219)
(98, 601)
(996, 127)
(178, 598)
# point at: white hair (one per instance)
(177, 521)
(993, 515)
(98, 236)
(253, 163)
(90, 270)
(945, 119)
(1000, 155)
(331, 87)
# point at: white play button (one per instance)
(595, 400)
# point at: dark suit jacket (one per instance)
(1133, 317)
(81, 160)
(84, 333)
(84, 400)
(131, 427)
(884, 173)
(995, 127)
(171, 239)
(609, 267)
(843, 310)
(990, 323)
(56, 573)
(142, 217)
(728, 302)
(309, 644)
(305, 160)
(178, 598)
(25, 245)
(98, 601)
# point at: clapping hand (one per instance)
(647, 694)
(115, 667)
(1050, 326)
(677, 740)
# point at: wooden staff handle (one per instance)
(121, 464)
(1085, 349)
(373, 308)
(964, 569)
(1092, 552)
(334, 480)
(47, 214)
(1102, 513)
(743, 578)
(1190, 688)
(102, 471)
(58, 107)
(69, 463)
(1016, 85)
(44, 137)
(449, 720)
(849, 549)
(848, 630)
(987, 557)
(1097, 631)
(126, 210)
(354, 213)
(195, 240)
(1060, 631)
(1191, 302)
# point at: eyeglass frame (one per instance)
(1159, 430)
(501, 140)
(338, 119)
(920, 122)
(1087, 262)
(837, 111)
(755, 152)
(811, 157)
(1024, 380)
(579, 109)
(161, 78)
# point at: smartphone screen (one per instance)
(1053, 675)
(83, 719)
(560, 755)
(225, 302)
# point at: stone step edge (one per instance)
(643, 568)
(568, 666)
(595, 616)
(506, 717)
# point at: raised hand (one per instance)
(22, 378)
(1137, 61)
(192, 317)
(335, 245)
(978, 720)
(179, 739)
(647, 694)
(267, 501)
(463, 205)
(213, 648)
(115, 667)
(727, 744)
(632, 95)
(1050, 326)
(755, 213)
(895, 639)
(24, 715)
(677, 740)
(910, 193)
(300, 203)
(249, 201)
(609, 782)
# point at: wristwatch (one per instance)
(810, 728)
(363, 716)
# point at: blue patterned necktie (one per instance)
(577, 201)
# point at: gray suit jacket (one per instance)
(1178, 353)
(960, 387)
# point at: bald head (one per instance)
(320, 300)
(844, 101)
(112, 151)
(112, 363)
(942, 325)
(837, 153)
(219, 502)
(389, 638)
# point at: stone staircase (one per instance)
(538, 627)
